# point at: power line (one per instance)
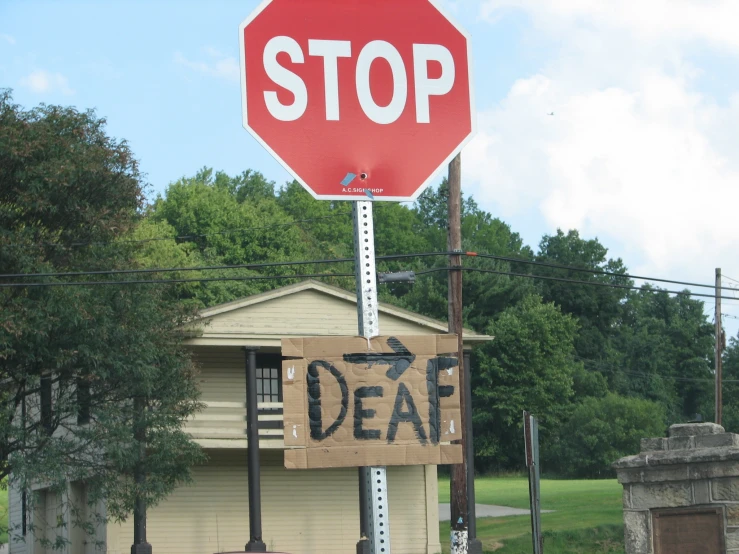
(384, 258)
(595, 271)
(346, 260)
(176, 281)
(394, 256)
(592, 283)
(613, 369)
(260, 265)
(174, 269)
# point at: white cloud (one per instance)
(220, 66)
(713, 21)
(42, 81)
(635, 153)
(7, 38)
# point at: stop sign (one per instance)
(357, 98)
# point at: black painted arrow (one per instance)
(398, 362)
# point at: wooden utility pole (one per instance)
(459, 506)
(719, 348)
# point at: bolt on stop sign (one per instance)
(357, 99)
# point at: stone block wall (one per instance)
(696, 465)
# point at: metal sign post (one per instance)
(531, 437)
(374, 517)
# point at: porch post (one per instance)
(140, 544)
(255, 543)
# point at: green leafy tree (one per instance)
(528, 366)
(485, 294)
(233, 221)
(326, 226)
(730, 391)
(597, 308)
(74, 359)
(602, 430)
(663, 352)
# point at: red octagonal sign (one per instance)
(357, 98)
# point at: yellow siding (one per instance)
(222, 377)
(306, 313)
(303, 512)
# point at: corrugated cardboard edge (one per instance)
(295, 412)
(292, 347)
(387, 455)
(336, 346)
(447, 344)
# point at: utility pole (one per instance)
(719, 348)
(460, 540)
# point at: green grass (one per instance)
(3, 515)
(608, 539)
(586, 511)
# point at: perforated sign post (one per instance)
(359, 100)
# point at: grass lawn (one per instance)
(3, 515)
(585, 512)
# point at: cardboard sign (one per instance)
(350, 401)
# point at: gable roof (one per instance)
(229, 323)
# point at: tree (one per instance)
(597, 308)
(528, 366)
(242, 220)
(663, 352)
(730, 413)
(75, 359)
(485, 294)
(602, 430)
(325, 225)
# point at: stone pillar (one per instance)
(696, 466)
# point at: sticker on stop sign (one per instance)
(368, 98)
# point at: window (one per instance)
(83, 401)
(268, 384)
(45, 392)
(269, 378)
(24, 513)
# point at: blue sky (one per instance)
(641, 144)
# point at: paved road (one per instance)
(3, 549)
(486, 510)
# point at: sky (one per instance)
(616, 118)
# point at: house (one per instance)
(303, 511)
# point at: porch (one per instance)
(223, 425)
